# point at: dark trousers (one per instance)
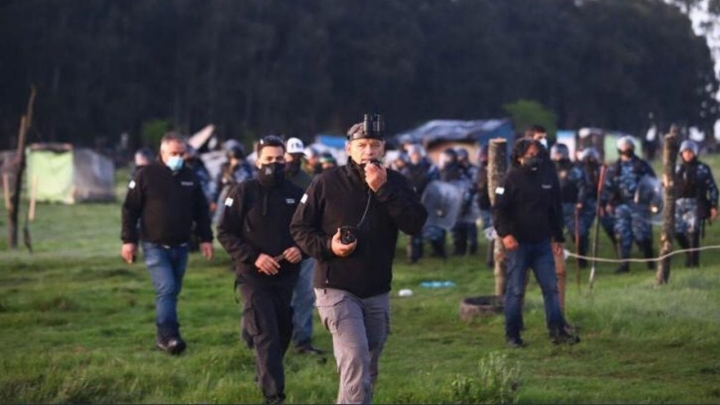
(268, 327)
(465, 238)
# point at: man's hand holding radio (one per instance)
(375, 175)
(340, 249)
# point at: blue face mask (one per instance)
(175, 163)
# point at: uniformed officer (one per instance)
(419, 171)
(591, 165)
(697, 199)
(254, 230)
(625, 199)
(166, 198)
(349, 220)
(573, 192)
(465, 237)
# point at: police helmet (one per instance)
(589, 154)
(560, 149)
(236, 152)
(625, 142)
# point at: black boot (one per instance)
(684, 243)
(694, 244)
(624, 268)
(648, 253)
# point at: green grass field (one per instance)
(77, 326)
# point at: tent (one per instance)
(66, 174)
(436, 135)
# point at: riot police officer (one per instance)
(572, 191)
(624, 199)
(697, 199)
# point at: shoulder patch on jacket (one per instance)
(132, 184)
(304, 198)
(229, 202)
(500, 190)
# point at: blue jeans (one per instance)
(539, 257)
(303, 303)
(166, 265)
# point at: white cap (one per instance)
(294, 145)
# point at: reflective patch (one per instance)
(290, 200)
(132, 184)
(229, 202)
(187, 183)
(547, 186)
(303, 200)
(500, 190)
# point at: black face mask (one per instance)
(531, 163)
(293, 167)
(627, 153)
(271, 174)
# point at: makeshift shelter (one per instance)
(437, 135)
(66, 174)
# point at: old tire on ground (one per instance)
(482, 306)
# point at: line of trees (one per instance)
(300, 67)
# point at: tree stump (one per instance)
(479, 307)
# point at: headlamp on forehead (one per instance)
(373, 127)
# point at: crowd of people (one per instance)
(305, 233)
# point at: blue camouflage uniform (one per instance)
(632, 212)
(697, 194)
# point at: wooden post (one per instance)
(670, 152)
(14, 210)
(497, 165)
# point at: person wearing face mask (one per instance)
(254, 230)
(547, 167)
(370, 204)
(697, 200)
(622, 199)
(303, 300)
(167, 199)
(528, 220)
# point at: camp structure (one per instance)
(438, 135)
(67, 174)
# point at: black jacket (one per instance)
(167, 204)
(257, 220)
(338, 198)
(528, 207)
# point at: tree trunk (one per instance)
(670, 152)
(497, 165)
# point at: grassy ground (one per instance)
(77, 326)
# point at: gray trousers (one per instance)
(359, 328)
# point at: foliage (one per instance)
(152, 132)
(104, 67)
(494, 382)
(525, 113)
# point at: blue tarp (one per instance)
(332, 141)
(476, 131)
